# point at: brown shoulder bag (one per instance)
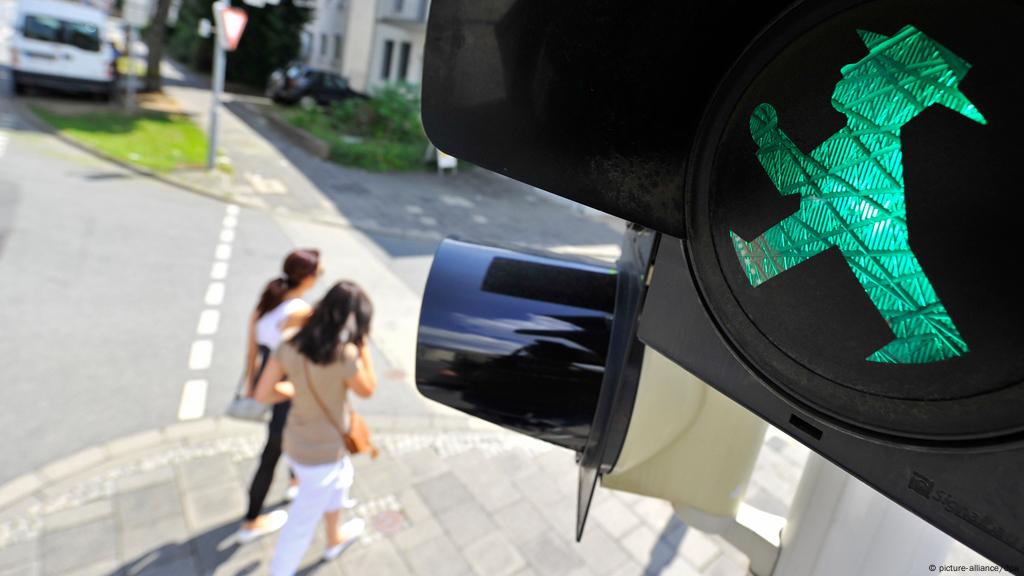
(357, 437)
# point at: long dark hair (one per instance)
(298, 265)
(343, 315)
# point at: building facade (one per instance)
(370, 42)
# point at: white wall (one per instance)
(363, 39)
(328, 22)
(397, 35)
(358, 51)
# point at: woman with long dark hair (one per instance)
(280, 309)
(323, 362)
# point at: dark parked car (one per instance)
(300, 84)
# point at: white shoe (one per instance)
(349, 503)
(350, 532)
(291, 492)
(275, 520)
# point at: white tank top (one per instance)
(269, 326)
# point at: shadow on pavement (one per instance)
(666, 551)
(201, 554)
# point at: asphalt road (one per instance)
(104, 278)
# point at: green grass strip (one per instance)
(157, 141)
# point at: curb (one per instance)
(39, 124)
(336, 221)
(28, 484)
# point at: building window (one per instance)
(385, 71)
(323, 44)
(403, 61)
(337, 46)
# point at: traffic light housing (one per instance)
(548, 347)
(834, 185)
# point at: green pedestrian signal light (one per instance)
(852, 190)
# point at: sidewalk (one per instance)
(448, 496)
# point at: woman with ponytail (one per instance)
(328, 358)
(280, 309)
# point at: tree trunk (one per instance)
(155, 39)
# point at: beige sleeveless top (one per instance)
(309, 437)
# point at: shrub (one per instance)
(383, 133)
(392, 114)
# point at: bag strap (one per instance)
(264, 355)
(319, 401)
(241, 386)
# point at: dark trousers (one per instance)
(271, 452)
(268, 461)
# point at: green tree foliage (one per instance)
(272, 38)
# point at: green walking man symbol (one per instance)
(852, 192)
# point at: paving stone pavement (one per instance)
(448, 496)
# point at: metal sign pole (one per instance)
(219, 63)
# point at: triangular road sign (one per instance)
(230, 25)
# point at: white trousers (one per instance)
(321, 489)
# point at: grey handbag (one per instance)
(246, 408)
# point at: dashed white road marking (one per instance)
(214, 294)
(219, 271)
(223, 252)
(209, 321)
(480, 219)
(412, 209)
(193, 400)
(193, 394)
(428, 221)
(201, 354)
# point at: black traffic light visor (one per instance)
(596, 101)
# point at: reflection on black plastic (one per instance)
(516, 349)
(594, 100)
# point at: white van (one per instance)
(61, 45)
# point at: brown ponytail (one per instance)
(299, 265)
